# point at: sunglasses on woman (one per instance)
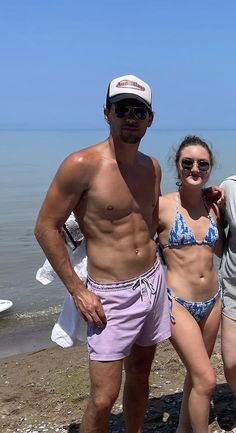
(203, 164)
(140, 113)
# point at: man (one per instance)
(113, 190)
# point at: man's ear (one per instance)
(151, 117)
(106, 115)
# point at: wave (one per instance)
(38, 314)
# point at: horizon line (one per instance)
(105, 129)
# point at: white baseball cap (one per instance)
(129, 87)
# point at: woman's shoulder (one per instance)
(167, 202)
(168, 197)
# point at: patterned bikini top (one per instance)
(181, 234)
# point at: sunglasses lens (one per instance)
(203, 165)
(187, 164)
(140, 113)
(121, 111)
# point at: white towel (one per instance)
(65, 332)
(66, 329)
(46, 273)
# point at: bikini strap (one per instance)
(177, 200)
(171, 299)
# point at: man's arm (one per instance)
(69, 183)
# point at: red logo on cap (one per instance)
(131, 85)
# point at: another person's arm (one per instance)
(219, 248)
(215, 194)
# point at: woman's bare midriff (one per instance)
(192, 276)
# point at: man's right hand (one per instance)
(90, 306)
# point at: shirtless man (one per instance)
(113, 190)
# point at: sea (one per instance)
(28, 162)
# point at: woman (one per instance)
(190, 234)
(228, 269)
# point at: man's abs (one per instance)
(119, 260)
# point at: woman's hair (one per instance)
(193, 140)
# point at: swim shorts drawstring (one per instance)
(145, 286)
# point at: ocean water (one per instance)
(28, 162)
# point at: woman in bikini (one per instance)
(190, 234)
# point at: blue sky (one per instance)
(58, 56)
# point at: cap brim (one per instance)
(123, 96)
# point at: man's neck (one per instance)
(125, 153)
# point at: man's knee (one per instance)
(102, 402)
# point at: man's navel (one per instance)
(110, 207)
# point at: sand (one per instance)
(46, 391)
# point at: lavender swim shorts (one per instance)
(137, 312)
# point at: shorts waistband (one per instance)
(123, 284)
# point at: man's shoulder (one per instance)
(149, 160)
(87, 155)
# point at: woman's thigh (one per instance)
(210, 326)
(187, 338)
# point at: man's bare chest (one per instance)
(116, 195)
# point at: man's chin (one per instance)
(130, 137)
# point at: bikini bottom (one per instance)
(197, 309)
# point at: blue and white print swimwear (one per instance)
(197, 309)
(181, 234)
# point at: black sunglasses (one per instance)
(203, 164)
(140, 113)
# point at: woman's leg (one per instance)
(194, 344)
(228, 344)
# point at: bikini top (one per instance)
(181, 234)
